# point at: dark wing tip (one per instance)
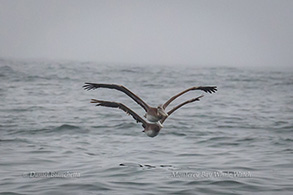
(209, 89)
(89, 86)
(213, 89)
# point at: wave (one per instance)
(227, 183)
(176, 133)
(66, 127)
(125, 125)
(7, 72)
(18, 140)
(5, 69)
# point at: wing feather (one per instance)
(206, 89)
(90, 86)
(122, 107)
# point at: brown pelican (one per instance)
(151, 129)
(153, 114)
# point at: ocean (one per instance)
(54, 141)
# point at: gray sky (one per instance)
(191, 32)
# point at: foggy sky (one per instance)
(195, 32)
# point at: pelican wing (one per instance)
(206, 89)
(179, 106)
(122, 107)
(89, 86)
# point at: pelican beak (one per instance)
(163, 113)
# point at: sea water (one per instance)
(54, 141)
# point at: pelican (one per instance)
(150, 129)
(153, 114)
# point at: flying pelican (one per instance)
(153, 114)
(151, 129)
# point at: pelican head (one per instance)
(151, 133)
(153, 129)
(161, 111)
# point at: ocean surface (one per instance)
(54, 141)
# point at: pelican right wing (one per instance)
(206, 89)
(179, 106)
